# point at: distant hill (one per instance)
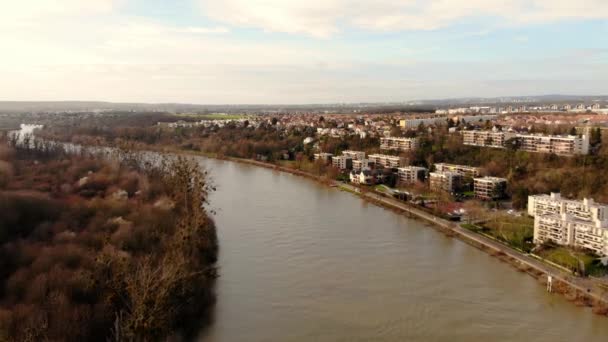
(417, 105)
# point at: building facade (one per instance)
(465, 170)
(363, 164)
(364, 177)
(398, 144)
(562, 145)
(445, 181)
(490, 188)
(342, 162)
(581, 224)
(387, 161)
(411, 174)
(355, 155)
(325, 157)
(537, 143)
(486, 138)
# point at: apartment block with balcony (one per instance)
(411, 174)
(445, 181)
(538, 143)
(465, 170)
(325, 157)
(562, 145)
(386, 161)
(399, 144)
(581, 224)
(355, 155)
(492, 138)
(363, 164)
(490, 188)
(342, 162)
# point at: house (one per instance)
(364, 177)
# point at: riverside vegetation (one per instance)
(101, 250)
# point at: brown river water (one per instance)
(303, 262)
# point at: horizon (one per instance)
(319, 52)
(412, 102)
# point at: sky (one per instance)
(300, 51)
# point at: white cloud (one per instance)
(26, 10)
(322, 18)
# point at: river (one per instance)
(303, 262)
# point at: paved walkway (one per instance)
(584, 285)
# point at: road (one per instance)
(580, 284)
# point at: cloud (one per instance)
(323, 18)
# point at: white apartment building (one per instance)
(562, 145)
(582, 224)
(464, 170)
(411, 174)
(445, 181)
(492, 138)
(359, 165)
(490, 188)
(325, 157)
(355, 155)
(342, 162)
(428, 121)
(538, 143)
(398, 144)
(386, 160)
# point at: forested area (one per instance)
(101, 250)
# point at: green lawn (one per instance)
(517, 231)
(572, 259)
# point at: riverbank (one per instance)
(582, 292)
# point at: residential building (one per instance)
(427, 121)
(465, 170)
(493, 138)
(363, 164)
(398, 144)
(490, 188)
(342, 162)
(474, 118)
(386, 160)
(355, 155)
(363, 177)
(445, 181)
(562, 145)
(582, 224)
(411, 174)
(325, 157)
